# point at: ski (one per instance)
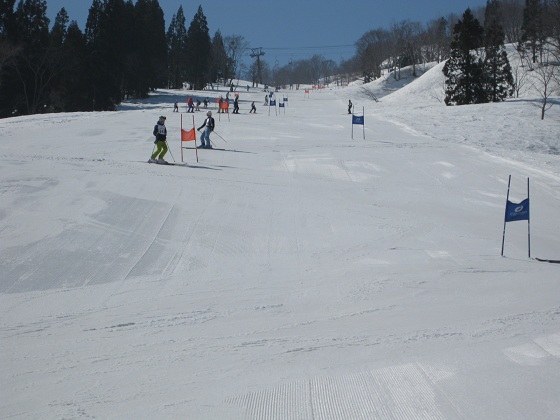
(166, 163)
(548, 261)
(204, 148)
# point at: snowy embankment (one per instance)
(511, 129)
(297, 274)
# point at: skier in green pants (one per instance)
(160, 131)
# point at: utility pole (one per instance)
(257, 53)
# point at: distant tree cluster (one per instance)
(125, 51)
(478, 69)
(64, 69)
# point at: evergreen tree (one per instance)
(110, 38)
(93, 39)
(93, 23)
(8, 53)
(464, 68)
(497, 70)
(149, 48)
(74, 85)
(32, 70)
(7, 20)
(177, 49)
(128, 52)
(32, 24)
(117, 43)
(59, 29)
(220, 68)
(532, 37)
(58, 35)
(199, 51)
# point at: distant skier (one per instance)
(160, 131)
(236, 105)
(208, 126)
(266, 100)
(176, 107)
(253, 108)
(190, 102)
(349, 106)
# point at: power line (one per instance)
(332, 51)
(308, 48)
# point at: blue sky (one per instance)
(294, 29)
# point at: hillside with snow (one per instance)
(293, 273)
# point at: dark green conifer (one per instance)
(464, 69)
(199, 51)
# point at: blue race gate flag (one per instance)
(515, 212)
(358, 119)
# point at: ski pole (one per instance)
(219, 136)
(168, 148)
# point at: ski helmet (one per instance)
(209, 113)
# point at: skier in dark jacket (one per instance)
(236, 105)
(208, 128)
(160, 131)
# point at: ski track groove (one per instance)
(91, 270)
(146, 250)
(187, 239)
(221, 227)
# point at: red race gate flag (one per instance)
(188, 135)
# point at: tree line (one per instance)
(126, 51)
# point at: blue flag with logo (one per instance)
(517, 211)
(281, 104)
(358, 120)
(273, 102)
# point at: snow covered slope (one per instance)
(298, 274)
